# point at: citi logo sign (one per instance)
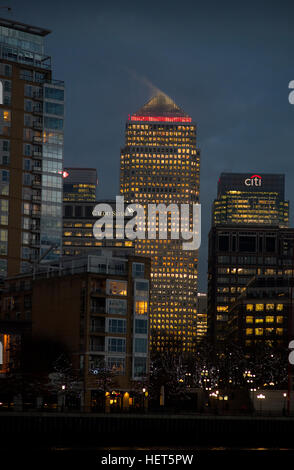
(254, 180)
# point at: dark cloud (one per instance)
(227, 64)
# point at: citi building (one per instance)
(251, 198)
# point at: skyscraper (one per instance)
(79, 184)
(244, 198)
(160, 163)
(31, 149)
(247, 217)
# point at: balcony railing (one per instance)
(97, 347)
(37, 125)
(13, 54)
(98, 291)
(97, 309)
(36, 214)
(37, 110)
(37, 169)
(97, 329)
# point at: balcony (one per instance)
(35, 242)
(36, 197)
(38, 125)
(38, 110)
(97, 309)
(11, 53)
(97, 348)
(36, 183)
(35, 228)
(98, 291)
(37, 169)
(38, 95)
(36, 214)
(97, 329)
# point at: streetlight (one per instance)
(260, 397)
(63, 397)
(285, 403)
(144, 399)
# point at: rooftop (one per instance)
(24, 27)
(161, 106)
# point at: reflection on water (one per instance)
(169, 449)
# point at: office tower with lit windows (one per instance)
(262, 315)
(78, 223)
(238, 253)
(248, 216)
(160, 164)
(201, 317)
(31, 149)
(79, 184)
(248, 198)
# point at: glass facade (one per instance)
(21, 46)
(31, 159)
(52, 148)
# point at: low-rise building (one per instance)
(98, 307)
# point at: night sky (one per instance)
(227, 64)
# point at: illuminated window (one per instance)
(270, 319)
(249, 307)
(249, 331)
(280, 319)
(259, 320)
(280, 307)
(249, 319)
(279, 331)
(141, 307)
(258, 331)
(222, 308)
(270, 306)
(6, 116)
(117, 287)
(259, 307)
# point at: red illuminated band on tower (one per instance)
(160, 119)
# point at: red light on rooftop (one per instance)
(160, 119)
(65, 174)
